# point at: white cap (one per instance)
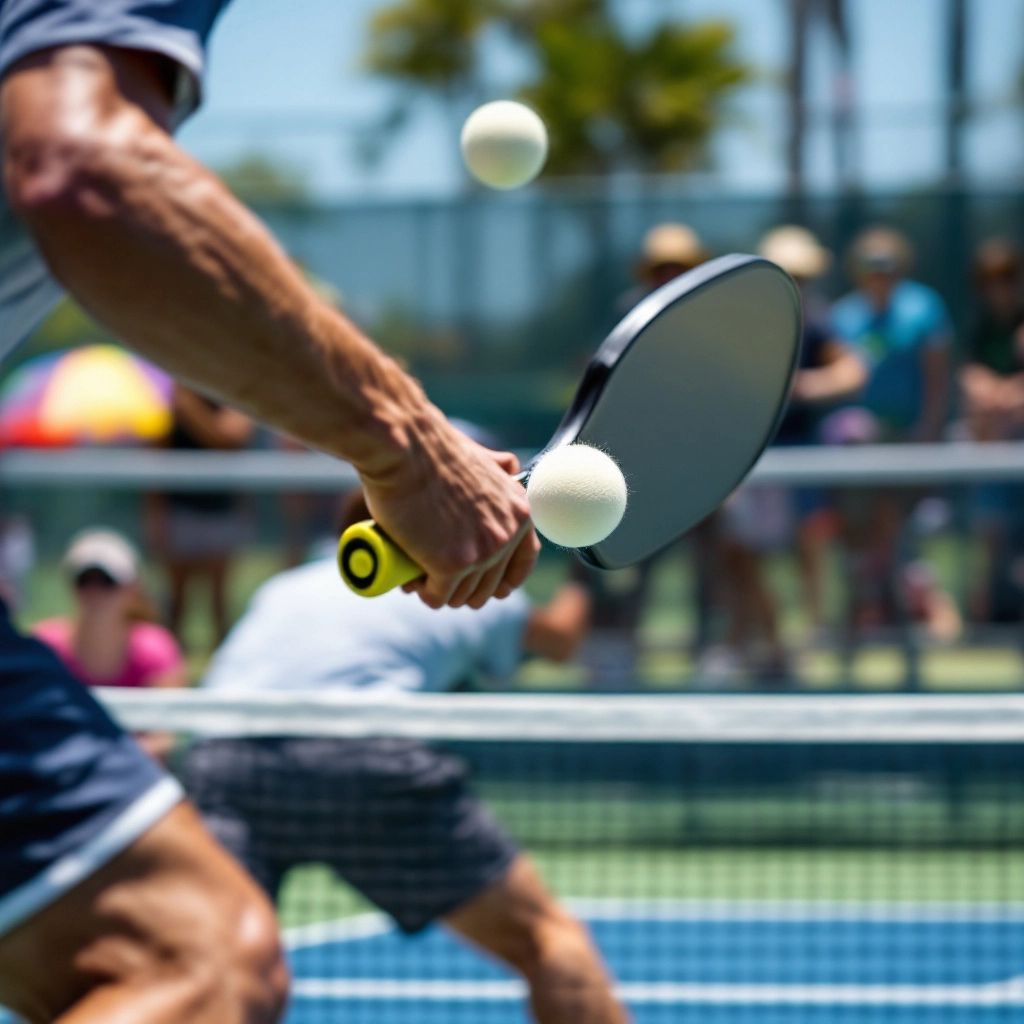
(796, 250)
(104, 550)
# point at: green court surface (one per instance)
(666, 631)
(799, 876)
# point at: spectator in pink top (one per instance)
(111, 638)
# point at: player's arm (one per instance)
(842, 374)
(157, 249)
(556, 630)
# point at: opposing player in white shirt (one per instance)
(395, 818)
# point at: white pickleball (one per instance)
(504, 144)
(577, 495)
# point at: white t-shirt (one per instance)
(304, 630)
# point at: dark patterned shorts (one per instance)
(393, 818)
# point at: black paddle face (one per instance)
(684, 394)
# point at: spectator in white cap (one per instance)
(903, 331)
(112, 637)
(668, 251)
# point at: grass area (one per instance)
(313, 894)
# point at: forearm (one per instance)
(161, 253)
(157, 249)
(557, 629)
(830, 383)
(842, 375)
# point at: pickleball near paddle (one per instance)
(577, 495)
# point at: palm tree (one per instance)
(611, 101)
(429, 45)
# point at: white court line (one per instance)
(988, 994)
(368, 925)
(949, 911)
(348, 929)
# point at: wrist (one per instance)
(392, 416)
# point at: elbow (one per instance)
(55, 179)
(62, 176)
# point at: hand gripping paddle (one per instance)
(684, 394)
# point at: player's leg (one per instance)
(812, 549)
(115, 905)
(217, 570)
(517, 920)
(398, 821)
(179, 573)
(170, 931)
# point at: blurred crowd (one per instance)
(880, 363)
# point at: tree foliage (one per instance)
(256, 178)
(612, 99)
(428, 43)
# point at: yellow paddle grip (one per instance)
(371, 563)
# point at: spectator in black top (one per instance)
(991, 381)
(992, 395)
(197, 533)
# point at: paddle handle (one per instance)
(371, 563)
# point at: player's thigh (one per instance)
(404, 827)
(172, 905)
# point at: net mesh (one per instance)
(780, 860)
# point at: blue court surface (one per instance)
(684, 963)
(678, 963)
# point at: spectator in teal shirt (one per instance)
(904, 333)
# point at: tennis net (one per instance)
(784, 860)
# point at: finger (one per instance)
(436, 591)
(465, 590)
(522, 562)
(508, 462)
(489, 583)
(504, 590)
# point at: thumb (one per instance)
(508, 461)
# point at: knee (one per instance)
(257, 972)
(549, 943)
(234, 971)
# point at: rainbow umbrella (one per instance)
(98, 394)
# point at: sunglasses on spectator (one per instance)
(999, 275)
(95, 578)
(879, 264)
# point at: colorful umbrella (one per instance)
(98, 394)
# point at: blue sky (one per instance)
(285, 79)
